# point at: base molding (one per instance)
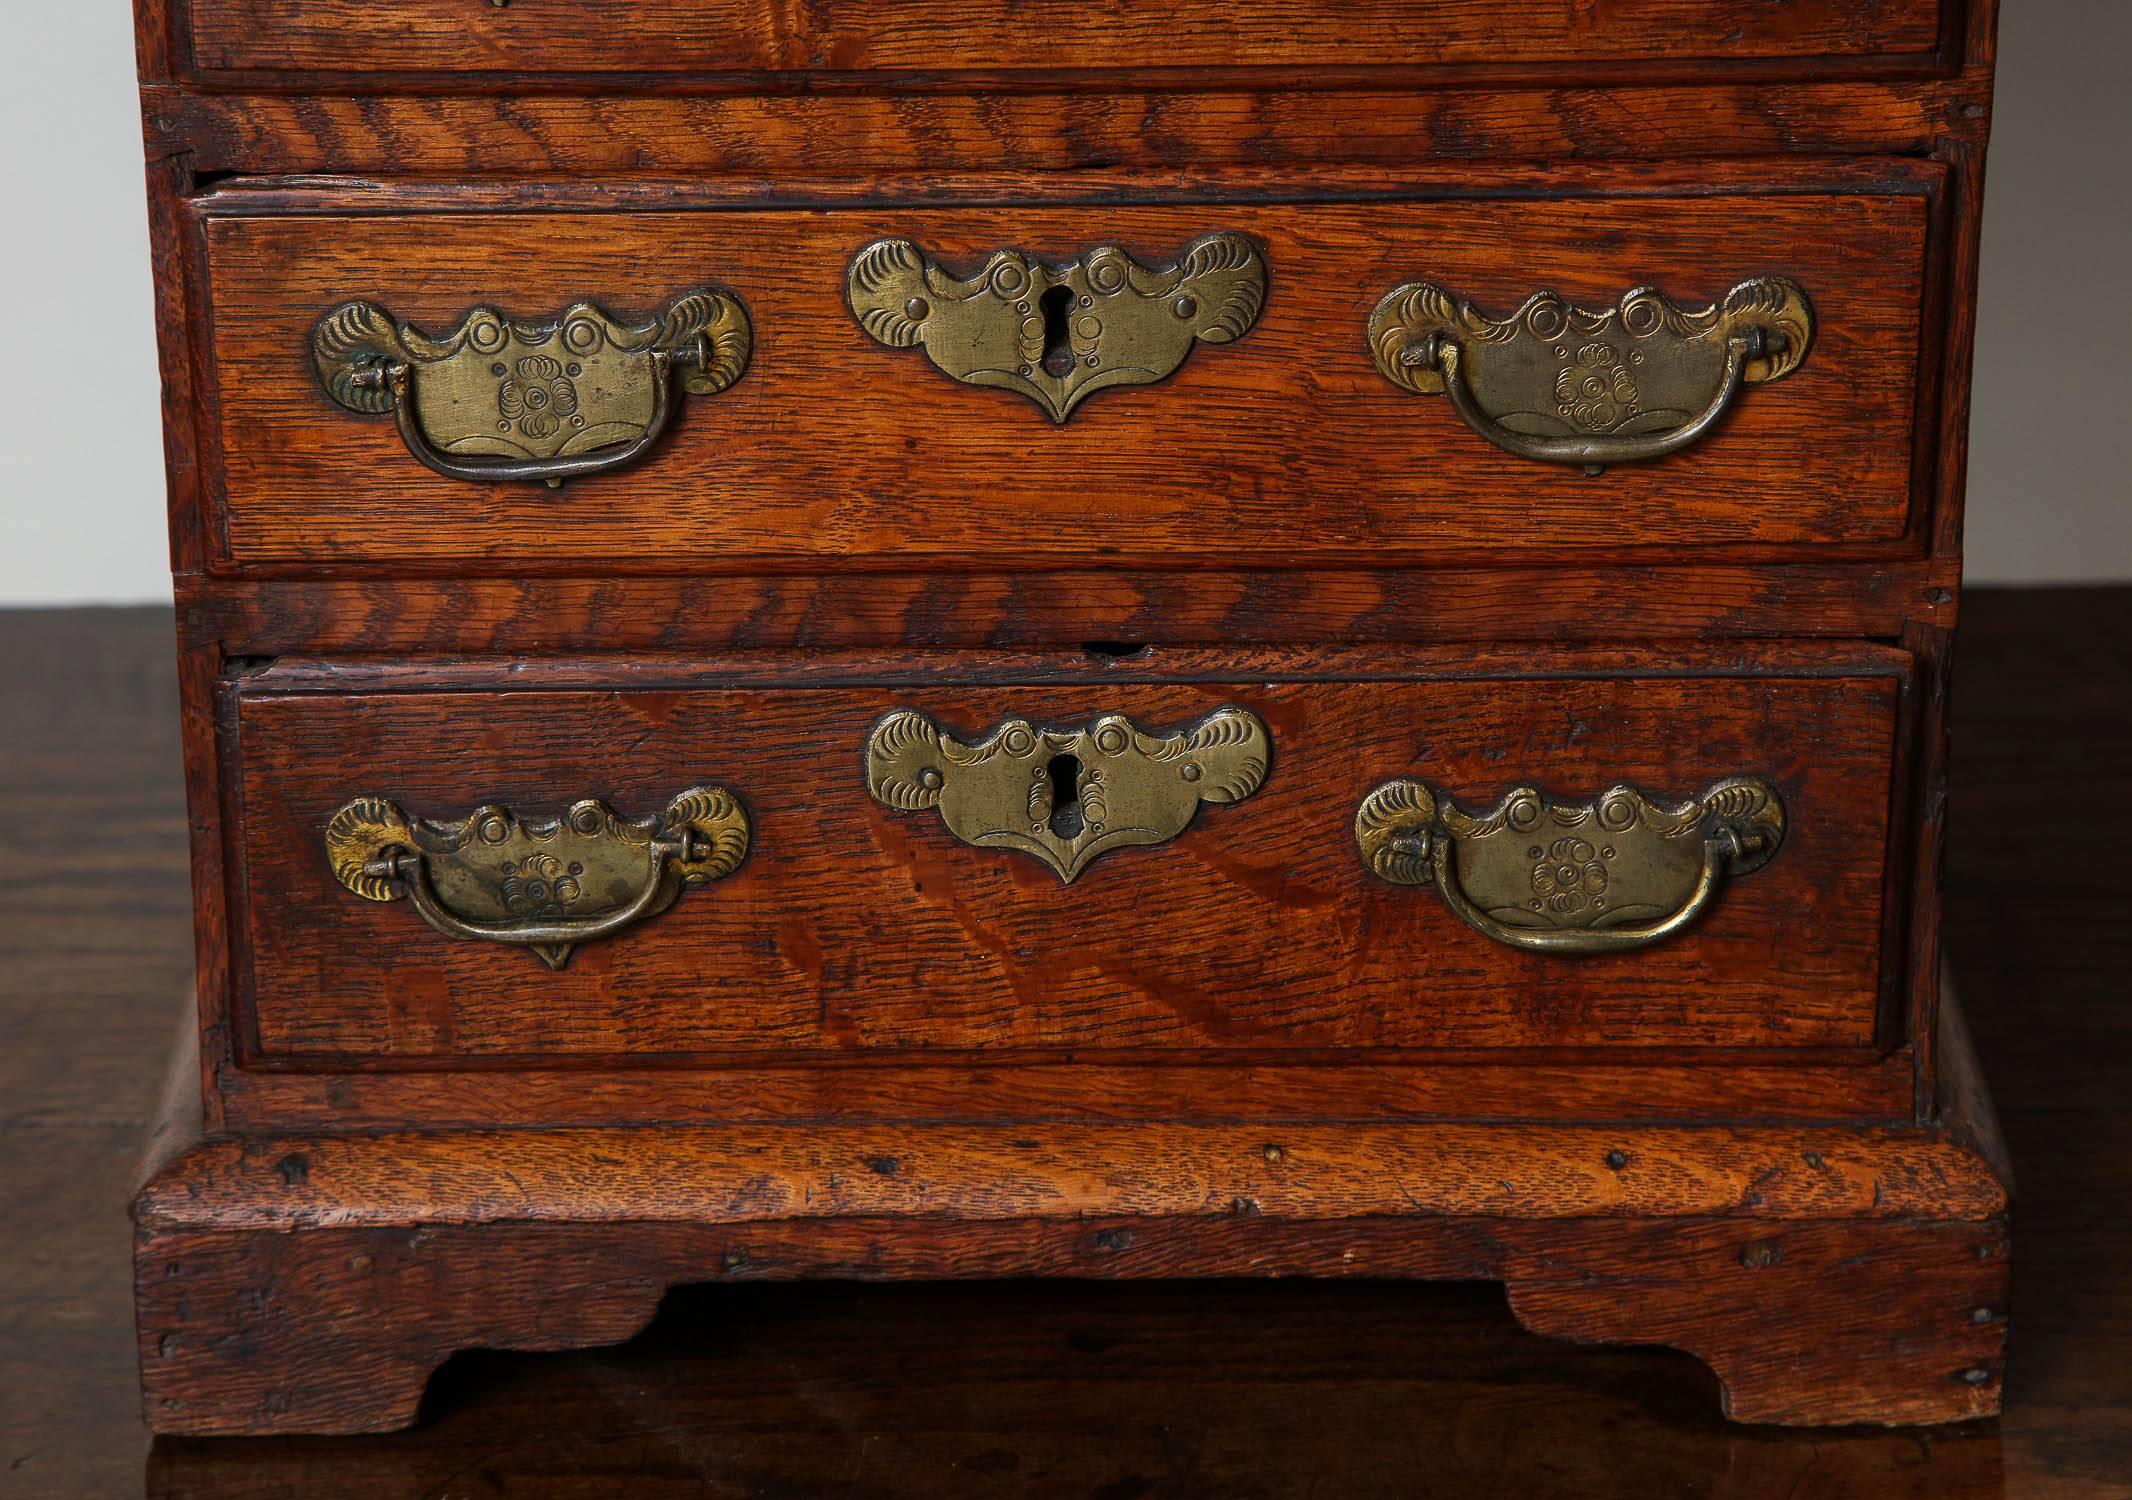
(1827, 1274)
(338, 1330)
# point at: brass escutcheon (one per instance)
(1059, 333)
(499, 399)
(1564, 384)
(1066, 795)
(547, 885)
(1595, 877)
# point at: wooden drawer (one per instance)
(724, 38)
(1286, 445)
(853, 928)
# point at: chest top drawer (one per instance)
(1234, 381)
(931, 37)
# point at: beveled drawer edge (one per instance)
(981, 669)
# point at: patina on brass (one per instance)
(1567, 385)
(498, 399)
(1059, 333)
(1595, 877)
(548, 885)
(1066, 795)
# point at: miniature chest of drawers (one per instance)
(1062, 637)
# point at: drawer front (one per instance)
(728, 37)
(1275, 436)
(879, 882)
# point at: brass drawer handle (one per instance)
(547, 885)
(498, 399)
(1599, 877)
(1059, 334)
(1066, 795)
(1568, 385)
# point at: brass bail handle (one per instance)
(412, 870)
(501, 400)
(1567, 385)
(544, 884)
(1609, 876)
(394, 377)
(1593, 454)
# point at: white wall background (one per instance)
(81, 485)
(81, 446)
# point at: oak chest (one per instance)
(1023, 637)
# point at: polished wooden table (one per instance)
(1115, 1390)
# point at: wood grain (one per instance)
(1646, 1084)
(786, 140)
(931, 36)
(1287, 444)
(1064, 607)
(1017, 1172)
(1814, 1323)
(1737, 1245)
(854, 929)
(1840, 1326)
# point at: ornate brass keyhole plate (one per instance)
(1066, 796)
(1058, 334)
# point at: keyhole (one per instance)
(1066, 820)
(1058, 346)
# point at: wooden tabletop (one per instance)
(1117, 1390)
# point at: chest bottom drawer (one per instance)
(1353, 855)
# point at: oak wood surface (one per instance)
(1864, 1322)
(1012, 1172)
(931, 36)
(1065, 607)
(758, 139)
(1093, 666)
(1287, 444)
(1213, 1084)
(856, 929)
(1065, 1388)
(777, 141)
(310, 1284)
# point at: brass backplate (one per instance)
(1642, 368)
(546, 884)
(1066, 796)
(1059, 333)
(1577, 876)
(497, 387)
